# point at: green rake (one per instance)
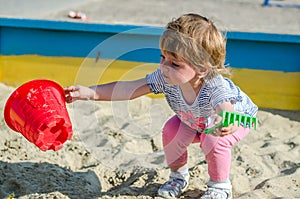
(232, 117)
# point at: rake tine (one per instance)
(255, 123)
(245, 121)
(234, 118)
(228, 118)
(250, 123)
(240, 119)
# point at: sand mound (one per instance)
(116, 152)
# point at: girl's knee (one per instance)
(170, 129)
(211, 143)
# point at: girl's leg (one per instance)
(218, 153)
(176, 138)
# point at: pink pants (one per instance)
(177, 137)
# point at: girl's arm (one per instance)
(120, 90)
(225, 106)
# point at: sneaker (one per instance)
(175, 186)
(218, 191)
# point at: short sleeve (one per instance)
(156, 82)
(223, 91)
(219, 96)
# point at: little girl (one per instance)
(192, 61)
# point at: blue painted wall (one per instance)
(264, 55)
(138, 43)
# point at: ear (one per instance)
(202, 72)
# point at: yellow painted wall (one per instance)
(268, 89)
(16, 70)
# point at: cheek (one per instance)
(188, 74)
(191, 73)
(180, 78)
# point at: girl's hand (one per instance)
(224, 130)
(229, 129)
(74, 93)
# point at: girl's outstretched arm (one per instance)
(120, 90)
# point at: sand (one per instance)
(116, 152)
(229, 15)
(116, 149)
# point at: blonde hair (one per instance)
(196, 40)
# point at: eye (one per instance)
(175, 64)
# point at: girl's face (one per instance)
(175, 71)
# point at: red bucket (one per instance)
(37, 110)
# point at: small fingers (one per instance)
(217, 132)
(69, 93)
(229, 129)
(69, 99)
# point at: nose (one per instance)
(164, 66)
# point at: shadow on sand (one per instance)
(25, 178)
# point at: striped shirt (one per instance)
(201, 113)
